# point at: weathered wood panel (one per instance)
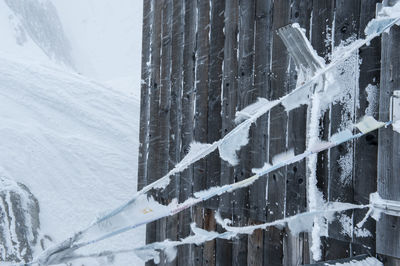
(214, 121)
(201, 112)
(259, 131)
(229, 91)
(295, 198)
(276, 183)
(185, 253)
(154, 129)
(388, 227)
(321, 40)
(366, 148)
(322, 15)
(244, 95)
(228, 109)
(340, 183)
(209, 59)
(144, 95)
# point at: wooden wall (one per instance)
(202, 61)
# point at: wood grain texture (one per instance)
(366, 148)
(342, 114)
(276, 183)
(387, 229)
(144, 95)
(153, 172)
(185, 253)
(214, 119)
(228, 109)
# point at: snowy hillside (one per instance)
(71, 140)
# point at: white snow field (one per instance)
(71, 139)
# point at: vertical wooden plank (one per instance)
(175, 112)
(201, 112)
(388, 227)
(165, 89)
(164, 112)
(244, 95)
(273, 247)
(185, 253)
(322, 16)
(176, 92)
(296, 200)
(154, 132)
(201, 88)
(144, 94)
(228, 109)
(214, 94)
(340, 186)
(300, 12)
(214, 119)
(229, 91)
(255, 244)
(320, 35)
(244, 98)
(366, 148)
(176, 109)
(210, 246)
(259, 131)
(276, 184)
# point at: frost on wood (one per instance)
(372, 99)
(19, 221)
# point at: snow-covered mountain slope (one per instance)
(32, 29)
(72, 142)
(105, 36)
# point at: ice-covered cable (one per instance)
(162, 182)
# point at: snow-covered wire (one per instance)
(71, 243)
